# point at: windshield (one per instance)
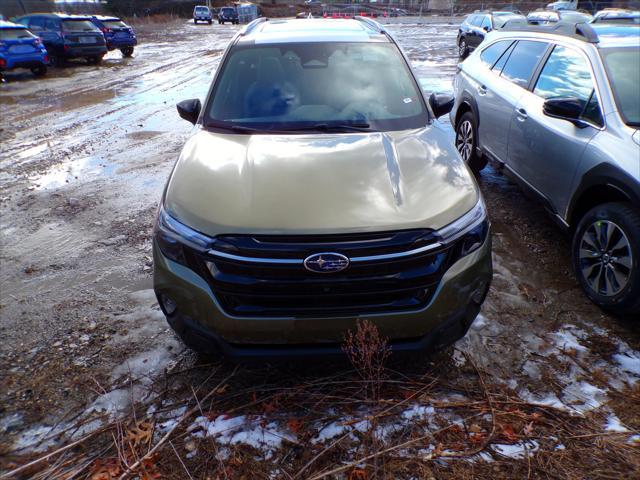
(79, 26)
(202, 9)
(623, 70)
(15, 34)
(115, 24)
(228, 11)
(289, 86)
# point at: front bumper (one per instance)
(447, 317)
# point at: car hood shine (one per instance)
(319, 183)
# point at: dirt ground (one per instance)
(545, 385)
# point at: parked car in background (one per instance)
(202, 13)
(67, 36)
(474, 28)
(19, 48)
(617, 15)
(563, 5)
(546, 17)
(287, 219)
(117, 34)
(558, 107)
(228, 14)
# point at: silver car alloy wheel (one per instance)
(464, 140)
(605, 258)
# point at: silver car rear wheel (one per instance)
(464, 140)
(605, 258)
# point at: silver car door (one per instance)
(498, 97)
(545, 151)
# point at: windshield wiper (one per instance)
(326, 127)
(234, 128)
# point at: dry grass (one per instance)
(464, 416)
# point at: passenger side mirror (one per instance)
(565, 108)
(189, 109)
(486, 28)
(441, 103)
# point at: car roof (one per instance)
(6, 24)
(600, 35)
(62, 16)
(313, 30)
(105, 18)
(615, 35)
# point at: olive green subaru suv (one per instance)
(318, 189)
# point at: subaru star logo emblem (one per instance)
(326, 262)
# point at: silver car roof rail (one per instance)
(580, 31)
(372, 23)
(253, 24)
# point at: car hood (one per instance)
(319, 183)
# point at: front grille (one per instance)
(263, 288)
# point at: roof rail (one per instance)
(253, 24)
(372, 23)
(580, 31)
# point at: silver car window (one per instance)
(567, 74)
(522, 62)
(490, 54)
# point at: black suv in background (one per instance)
(472, 31)
(228, 14)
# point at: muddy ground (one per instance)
(85, 153)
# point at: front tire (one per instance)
(606, 257)
(463, 48)
(127, 51)
(40, 71)
(467, 143)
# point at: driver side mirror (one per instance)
(486, 28)
(565, 108)
(189, 109)
(441, 103)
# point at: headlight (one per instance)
(173, 236)
(470, 230)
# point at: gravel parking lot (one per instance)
(545, 385)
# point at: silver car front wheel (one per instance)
(464, 140)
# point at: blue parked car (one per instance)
(19, 48)
(117, 34)
(67, 36)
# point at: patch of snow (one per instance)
(458, 358)
(566, 340)
(145, 365)
(560, 446)
(634, 440)
(532, 369)
(242, 429)
(629, 361)
(334, 429)
(418, 411)
(614, 424)
(518, 450)
(548, 400)
(37, 439)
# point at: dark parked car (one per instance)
(472, 31)
(117, 34)
(202, 13)
(67, 36)
(19, 48)
(228, 14)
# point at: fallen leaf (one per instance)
(141, 433)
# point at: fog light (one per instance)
(168, 305)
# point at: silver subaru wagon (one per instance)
(559, 108)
